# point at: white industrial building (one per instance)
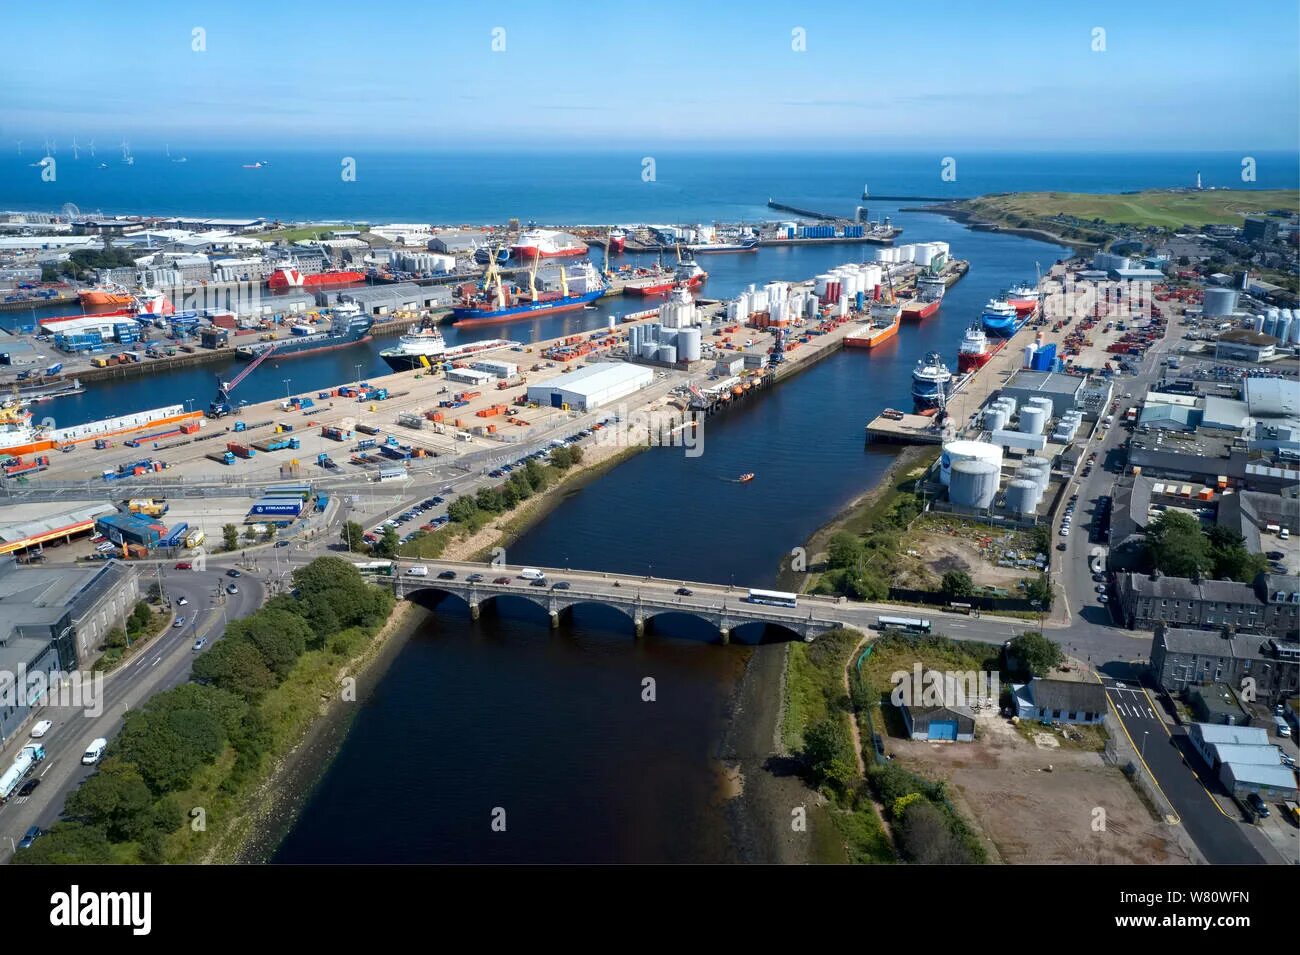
(592, 386)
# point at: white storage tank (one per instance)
(634, 340)
(1030, 351)
(1032, 419)
(974, 483)
(1022, 497)
(1257, 323)
(995, 419)
(810, 307)
(1283, 330)
(667, 353)
(689, 341)
(1037, 475)
(820, 283)
(648, 350)
(1295, 326)
(1270, 323)
(955, 451)
(1219, 302)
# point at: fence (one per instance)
(938, 598)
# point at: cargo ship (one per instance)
(688, 275)
(1000, 318)
(105, 296)
(547, 244)
(287, 277)
(348, 326)
(18, 436)
(976, 350)
(874, 333)
(711, 248)
(931, 382)
(1023, 298)
(929, 296)
(496, 303)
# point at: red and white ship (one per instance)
(1023, 298)
(976, 350)
(287, 277)
(546, 244)
(617, 240)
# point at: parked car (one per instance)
(1258, 805)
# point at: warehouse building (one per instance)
(1243, 759)
(591, 387)
(406, 296)
(55, 619)
(456, 241)
(1064, 391)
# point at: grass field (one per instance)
(303, 232)
(1158, 207)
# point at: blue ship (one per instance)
(1000, 318)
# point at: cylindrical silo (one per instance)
(667, 353)
(1295, 326)
(995, 418)
(1219, 302)
(689, 344)
(634, 340)
(1030, 351)
(1009, 403)
(1283, 331)
(1032, 419)
(1039, 475)
(974, 483)
(648, 350)
(955, 451)
(1270, 322)
(1257, 323)
(1022, 497)
(1041, 402)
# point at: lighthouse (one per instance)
(1198, 180)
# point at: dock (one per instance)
(806, 213)
(906, 429)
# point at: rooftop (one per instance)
(1046, 381)
(1272, 397)
(1244, 336)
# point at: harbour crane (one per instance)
(221, 406)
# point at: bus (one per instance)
(906, 624)
(374, 568)
(773, 597)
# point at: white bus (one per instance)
(773, 597)
(906, 624)
(374, 567)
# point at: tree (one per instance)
(236, 666)
(535, 475)
(116, 798)
(353, 536)
(169, 740)
(957, 583)
(155, 593)
(844, 550)
(575, 454)
(250, 533)
(463, 510)
(1230, 558)
(142, 615)
(1035, 653)
(1176, 545)
(68, 843)
(279, 635)
(828, 753)
(116, 639)
(1039, 589)
(561, 458)
(925, 837)
(229, 536)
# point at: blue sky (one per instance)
(934, 75)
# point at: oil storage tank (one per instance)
(955, 451)
(689, 344)
(1022, 496)
(1219, 302)
(1032, 419)
(974, 483)
(995, 418)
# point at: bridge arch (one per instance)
(566, 610)
(760, 632)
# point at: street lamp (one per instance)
(286, 388)
(1145, 734)
(358, 368)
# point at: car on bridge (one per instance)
(474, 578)
(685, 592)
(539, 582)
(502, 580)
(447, 575)
(560, 585)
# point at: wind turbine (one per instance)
(75, 155)
(92, 149)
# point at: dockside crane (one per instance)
(221, 406)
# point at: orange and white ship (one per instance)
(18, 436)
(1023, 298)
(105, 296)
(547, 244)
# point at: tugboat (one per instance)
(931, 382)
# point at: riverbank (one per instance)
(272, 808)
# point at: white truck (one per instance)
(419, 570)
(23, 764)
